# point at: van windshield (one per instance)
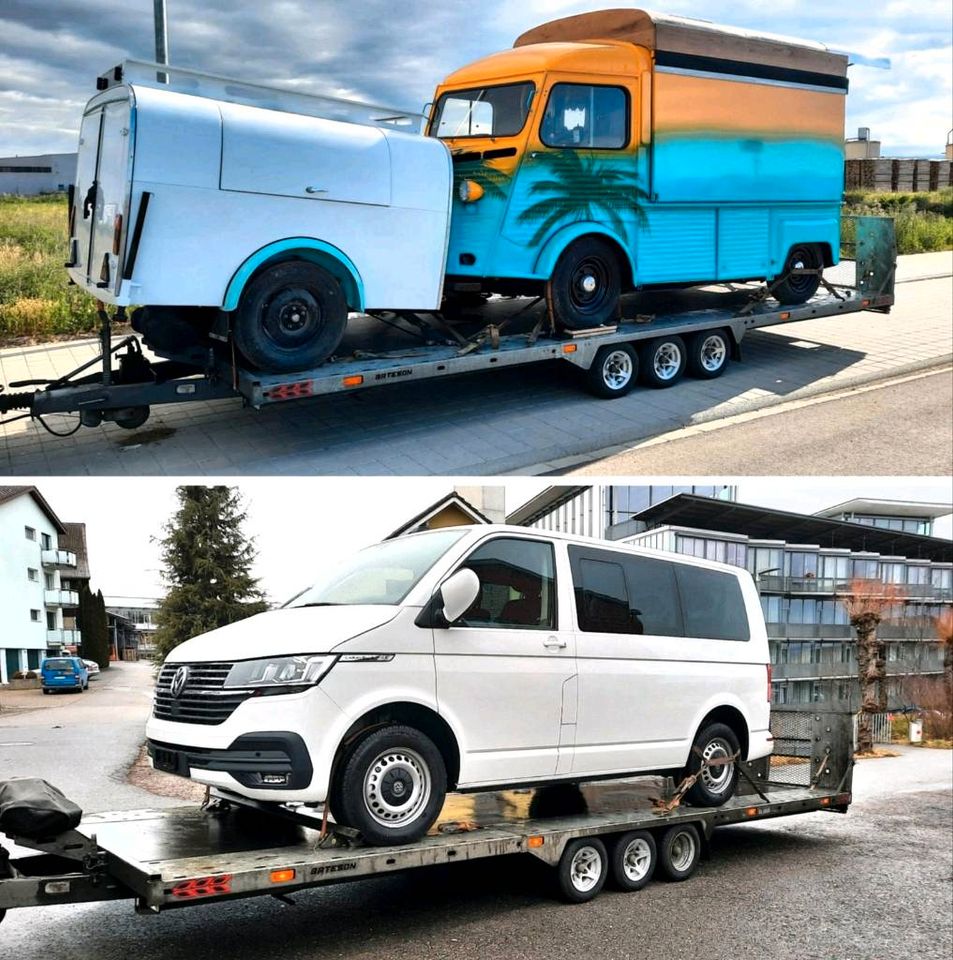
(483, 111)
(383, 573)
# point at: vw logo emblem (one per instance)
(179, 680)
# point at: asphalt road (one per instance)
(873, 884)
(898, 429)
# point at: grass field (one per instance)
(37, 302)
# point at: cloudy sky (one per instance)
(394, 52)
(302, 526)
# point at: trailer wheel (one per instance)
(800, 287)
(715, 784)
(662, 362)
(586, 284)
(581, 871)
(632, 859)
(709, 352)
(392, 785)
(613, 372)
(679, 852)
(132, 418)
(291, 317)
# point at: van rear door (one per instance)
(101, 199)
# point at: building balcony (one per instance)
(810, 586)
(848, 671)
(58, 558)
(61, 598)
(63, 638)
(837, 631)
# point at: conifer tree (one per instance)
(94, 626)
(207, 566)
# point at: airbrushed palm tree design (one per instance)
(582, 186)
(493, 181)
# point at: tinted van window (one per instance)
(616, 593)
(713, 604)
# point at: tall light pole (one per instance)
(162, 38)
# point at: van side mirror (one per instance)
(457, 594)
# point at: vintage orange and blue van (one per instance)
(621, 149)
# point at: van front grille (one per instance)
(203, 699)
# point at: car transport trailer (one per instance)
(660, 346)
(625, 832)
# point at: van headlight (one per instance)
(275, 672)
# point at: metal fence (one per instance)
(881, 724)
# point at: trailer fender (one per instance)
(559, 241)
(325, 255)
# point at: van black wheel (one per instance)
(679, 851)
(662, 362)
(291, 317)
(586, 285)
(716, 783)
(632, 859)
(582, 869)
(392, 786)
(613, 372)
(798, 288)
(709, 352)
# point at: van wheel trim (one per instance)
(396, 787)
(718, 777)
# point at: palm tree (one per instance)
(582, 186)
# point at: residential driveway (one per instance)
(502, 422)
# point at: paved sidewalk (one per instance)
(504, 422)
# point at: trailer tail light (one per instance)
(535, 841)
(354, 381)
(825, 801)
(570, 347)
(751, 812)
(769, 682)
(117, 233)
(203, 887)
(282, 876)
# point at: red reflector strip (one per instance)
(203, 887)
(291, 391)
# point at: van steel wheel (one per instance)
(798, 288)
(716, 784)
(291, 317)
(586, 285)
(613, 372)
(679, 852)
(582, 869)
(663, 361)
(709, 352)
(392, 786)
(633, 860)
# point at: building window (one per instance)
(46, 542)
(30, 533)
(50, 620)
(9, 169)
(32, 574)
(35, 616)
(48, 580)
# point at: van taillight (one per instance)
(117, 233)
(769, 682)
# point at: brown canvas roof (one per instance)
(681, 35)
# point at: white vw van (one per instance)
(471, 658)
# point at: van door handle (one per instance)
(552, 643)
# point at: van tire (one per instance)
(291, 317)
(586, 284)
(391, 763)
(798, 289)
(613, 372)
(713, 787)
(679, 852)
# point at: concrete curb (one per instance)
(808, 392)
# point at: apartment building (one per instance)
(34, 574)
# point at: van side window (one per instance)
(517, 585)
(583, 116)
(712, 603)
(616, 593)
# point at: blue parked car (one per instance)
(64, 673)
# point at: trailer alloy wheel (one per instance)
(663, 361)
(708, 353)
(798, 288)
(392, 786)
(679, 851)
(582, 869)
(614, 371)
(716, 783)
(586, 285)
(291, 317)
(632, 859)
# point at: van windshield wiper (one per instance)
(322, 603)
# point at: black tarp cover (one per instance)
(30, 807)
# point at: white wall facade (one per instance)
(25, 616)
(45, 173)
